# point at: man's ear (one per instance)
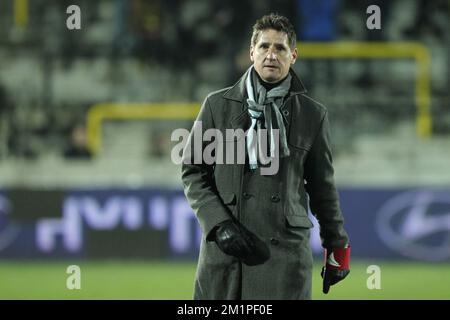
(294, 55)
(251, 53)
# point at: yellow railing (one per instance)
(171, 111)
(133, 111)
(393, 50)
(21, 13)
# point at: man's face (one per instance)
(272, 56)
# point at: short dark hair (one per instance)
(276, 22)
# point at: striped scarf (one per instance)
(262, 104)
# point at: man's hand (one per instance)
(235, 240)
(337, 266)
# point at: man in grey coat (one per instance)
(256, 150)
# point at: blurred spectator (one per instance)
(78, 148)
(160, 144)
(317, 22)
(317, 19)
(427, 19)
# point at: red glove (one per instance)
(336, 266)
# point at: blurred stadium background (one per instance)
(85, 139)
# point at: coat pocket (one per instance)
(298, 217)
(299, 221)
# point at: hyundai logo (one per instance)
(417, 224)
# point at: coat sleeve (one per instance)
(198, 177)
(320, 185)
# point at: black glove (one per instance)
(235, 240)
(336, 268)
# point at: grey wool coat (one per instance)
(275, 207)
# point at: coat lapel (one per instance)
(286, 109)
(238, 93)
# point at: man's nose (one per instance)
(271, 55)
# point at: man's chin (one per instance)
(271, 78)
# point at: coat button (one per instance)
(274, 241)
(246, 195)
(286, 112)
(275, 198)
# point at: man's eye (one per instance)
(264, 46)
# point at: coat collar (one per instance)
(238, 92)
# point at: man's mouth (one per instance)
(269, 66)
